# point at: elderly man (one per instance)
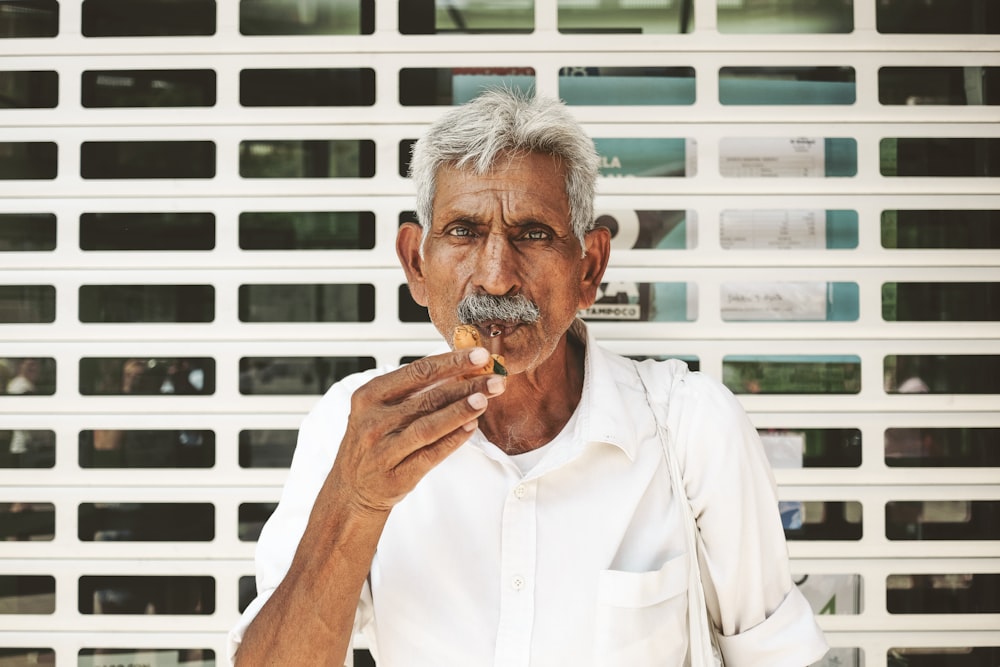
(460, 517)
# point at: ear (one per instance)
(408, 241)
(596, 252)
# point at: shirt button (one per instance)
(517, 583)
(520, 490)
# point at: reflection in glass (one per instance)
(958, 447)
(146, 595)
(28, 90)
(949, 593)
(942, 520)
(445, 86)
(148, 18)
(27, 657)
(267, 448)
(408, 309)
(27, 232)
(146, 522)
(627, 86)
(625, 301)
(147, 231)
(647, 157)
(296, 375)
(146, 303)
(812, 447)
(28, 160)
(307, 230)
(939, 85)
(785, 16)
(792, 374)
(32, 376)
(114, 376)
(842, 655)
(934, 17)
(252, 517)
(787, 85)
(647, 17)
(27, 594)
(804, 301)
(148, 88)
(334, 158)
(164, 448)
(938, 656)
(29, 18)
(961, 229)
(831, 594)
(405, 148)
(427, 17)
(147, 159)
(649, 230)
(788, 157)
(27, 522)
(821, 520)
(146, 657)
(940, 302)
(317, 17)
(788, 229)
(31, 448)
(942, 374)
(27, 304)
(307, 303)
(247, 592)
(691, 361)
(940, 156)
(319, 87)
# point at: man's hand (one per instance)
(401, 425)
(404, 423)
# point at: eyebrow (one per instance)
(479, 219)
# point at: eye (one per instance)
(459, 231)
(536, 234)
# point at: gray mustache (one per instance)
(490, 307)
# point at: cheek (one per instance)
(442, 292)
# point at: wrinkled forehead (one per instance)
(531, 183)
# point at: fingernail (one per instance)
(470, 426)
(478, 401)
(479, 356)
(496, 384)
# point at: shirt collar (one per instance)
(604, 416)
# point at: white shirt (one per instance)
(581, 560)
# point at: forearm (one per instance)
(310, 616)
(401, 425)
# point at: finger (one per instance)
(420, 462)
(432, 427)
(446, 393)
(429, 371)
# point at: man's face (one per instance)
(506, 233)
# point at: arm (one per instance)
(762, 616)
(401, 425)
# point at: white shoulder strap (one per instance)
(703, 648)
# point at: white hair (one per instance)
(501, 122)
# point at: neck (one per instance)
(537, 403)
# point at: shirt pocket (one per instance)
(641, 617)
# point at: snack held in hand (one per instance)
(467, 335)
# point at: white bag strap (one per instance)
(703, 650)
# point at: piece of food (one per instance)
(466, 336)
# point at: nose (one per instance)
(496, 267)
